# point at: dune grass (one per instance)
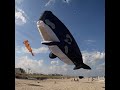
(39, 76)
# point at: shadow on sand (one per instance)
(34, 85)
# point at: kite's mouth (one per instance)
(42, 30)
(46, 32)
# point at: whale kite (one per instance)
(59, 40)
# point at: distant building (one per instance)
(19, 70)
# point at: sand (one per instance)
(59, 84)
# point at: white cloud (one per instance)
(50, 2)
(18, 49)
(25, 50)
(101, 67)
(25, 63)
(18, 1)
(34, 21)
(41, 50)
(65, 69)
(54, 62)
(20, 17)
(92, 57)
(98, 55)
(60, 69)
(90, 41)
(38, 66)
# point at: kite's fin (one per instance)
(50, 43)
(52, 56)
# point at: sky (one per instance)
(85, 19)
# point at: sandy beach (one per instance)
(59, 84)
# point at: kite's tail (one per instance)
(32, 53)
(84, 66)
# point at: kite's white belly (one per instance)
(48, 35)
(57, 51)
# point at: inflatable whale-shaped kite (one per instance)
(59, 40)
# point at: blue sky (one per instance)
(85, 19)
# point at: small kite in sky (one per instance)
(27, 45)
